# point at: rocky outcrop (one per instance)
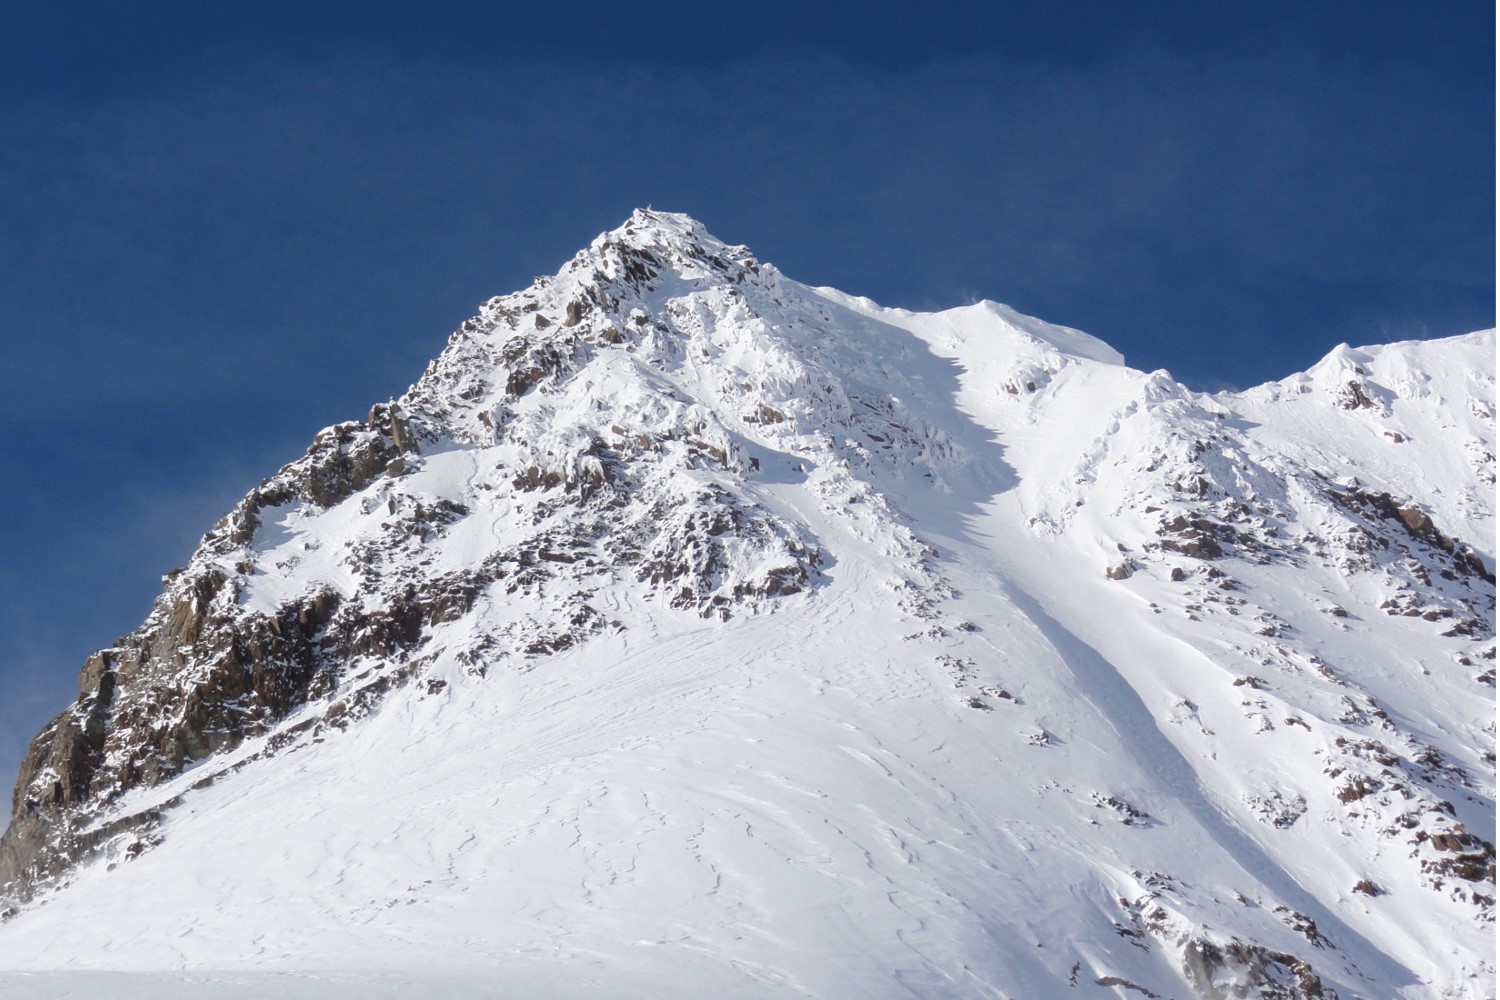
(1379, 509)
(1236, 970)
(202, 674)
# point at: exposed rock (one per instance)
(577, 310)
(1235, 970)
(1354, 397)
(1125, 984)
(1194, 544)
(1378, 506)
(1417, 522)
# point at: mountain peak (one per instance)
(682, 597)
(669, 225)
(672, 236)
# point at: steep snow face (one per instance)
(685, 628)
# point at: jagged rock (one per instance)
(1195, 545)
(1235, 970)
(1354, 397)
(1417, 522)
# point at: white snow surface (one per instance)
(959, 761)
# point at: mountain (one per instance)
(685, 629)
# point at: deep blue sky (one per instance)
(222, 231)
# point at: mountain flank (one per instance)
(686, 627)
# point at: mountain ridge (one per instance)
(669, 446)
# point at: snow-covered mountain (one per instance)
(688, 630)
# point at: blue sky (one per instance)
(221, 231)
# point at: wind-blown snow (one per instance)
(1013, 670)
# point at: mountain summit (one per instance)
(688, 629)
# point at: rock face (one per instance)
(1288, 654)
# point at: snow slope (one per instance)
(686, 630)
